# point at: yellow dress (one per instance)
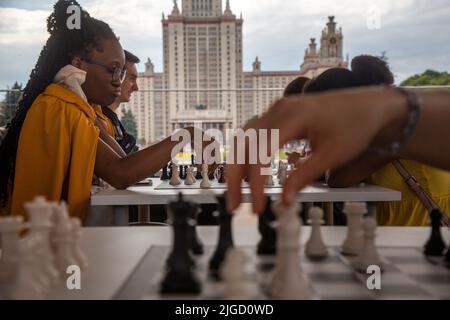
(56, 151)
(410, 210)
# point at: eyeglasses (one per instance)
(117, 74)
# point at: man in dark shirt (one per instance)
(129, 85)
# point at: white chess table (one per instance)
(162, 193)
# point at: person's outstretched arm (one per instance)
(340, 125)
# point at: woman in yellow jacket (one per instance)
(53, 147)
(376, 169)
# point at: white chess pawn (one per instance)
(205, 179)
(175, 178)
(63, 239)
(40, 213)
(190, 179)
(269, 181)
(10, 228)
(233, 272)
(369, 254)
(354, 240)
(288, 280)
(315, 247)
(25, 285)
(77, 252)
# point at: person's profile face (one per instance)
(101, 87)
(129, 85)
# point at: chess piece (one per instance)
(25, 285)
(283, 175)
(190, 180)
(198, 174)
(281, 167)
(315, 247)
(175, 177)
(435, 246)
(269, 181)
(205, 179)
(288, 280)
(354, 239)
(266, 227)
(10, 227)
(368, 255)
(225, 240)
(77, 252)
(221, 178)
(196, 245)
(165, 175)
(183, 172)
(233, 272)
(179, 277)
(192, 160)
(40, 213)
(63, 239)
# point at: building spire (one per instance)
(228, 9)
(175, 10)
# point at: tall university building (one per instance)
(203, 82)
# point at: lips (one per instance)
(116, 93)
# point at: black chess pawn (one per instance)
(180, 277)
(165, 174)
(211, 176)
(196, 245)
(225, 240)
(435, 246)
(221, 178)
(267, 244)
(198, 175)
(183, 172)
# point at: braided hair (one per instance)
(61, 47)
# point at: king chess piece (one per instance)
(179, 277)
(435, 246)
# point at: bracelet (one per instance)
(414, 110)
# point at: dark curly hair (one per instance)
(62, 45)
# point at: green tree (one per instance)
(129, 122)
(428, 78)
(10, 103)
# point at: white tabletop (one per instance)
(114, 253)
(145, 195)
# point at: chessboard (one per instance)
(407, 274)
(165, 185)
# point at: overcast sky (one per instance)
(414, 33)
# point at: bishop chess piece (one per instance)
(315, 247)
(175, 178)
(288, 282)
(196, 245)
(368, 255)
(179, 277)
(225, 240)
(266, 227)
(355, 212)
(165, 174)
(435, 246)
